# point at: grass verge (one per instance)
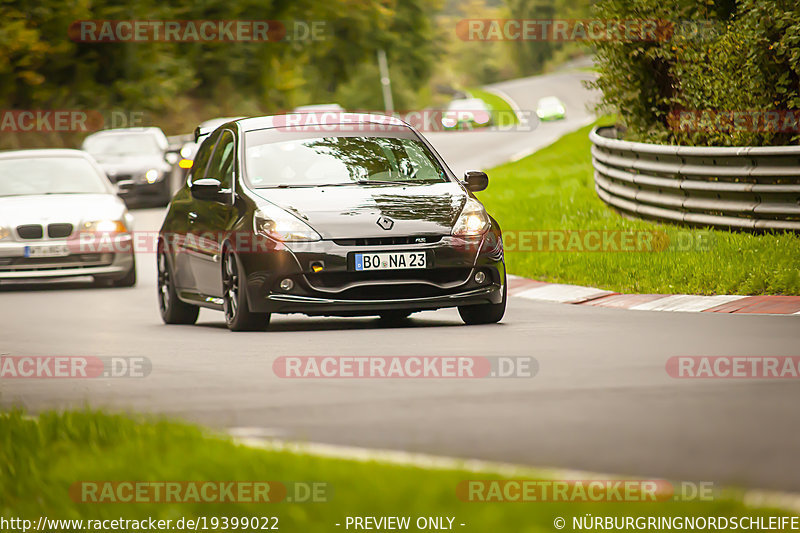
(41, 458)
(553, 189)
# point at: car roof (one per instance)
(45, 152)
(317, 119)
(317, 107)
(219, 121)
(548, 100)
(142, 129)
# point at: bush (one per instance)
(721, 56)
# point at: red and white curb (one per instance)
(575, 294)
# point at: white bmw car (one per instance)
(60, 217)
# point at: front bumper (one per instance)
(337, 289)
(142, 190)
(15, 266)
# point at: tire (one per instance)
(484, 313)
(238, 316)
(394, 316)
(173, 310)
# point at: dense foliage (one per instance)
(180, 83)
(720, 59)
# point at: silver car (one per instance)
(60, 217)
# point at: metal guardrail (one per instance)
(731, 187)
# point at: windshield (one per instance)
(549, 103)
(121, 144)
(49, 175)
(340, 160)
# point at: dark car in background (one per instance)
(358, 217)
(189, 149)
(137, 160)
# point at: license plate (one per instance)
(55, 250)
(391, 260)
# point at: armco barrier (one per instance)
(744, 187)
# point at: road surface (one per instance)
(601, 400)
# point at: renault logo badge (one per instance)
(386, 223)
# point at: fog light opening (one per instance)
(287, 284)
(479, 277)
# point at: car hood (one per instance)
(349, 212)
(131, 164)
(58, 208)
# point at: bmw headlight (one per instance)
(473, 219)
(106, 226)
(272, 221)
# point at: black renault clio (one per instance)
(335, 215)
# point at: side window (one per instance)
(222, 162)
(201, 158)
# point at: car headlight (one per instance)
(4, 233)
(106, 226)
(152, 175)
(448, 122)
(272, 221)
(473, 219)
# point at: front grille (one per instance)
(438, 276)
(120, 177)
(391, 292)
(388, 241)
(30, 231)
(59, 231)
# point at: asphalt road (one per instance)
(481, 149)
(601, 400)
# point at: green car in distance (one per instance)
(551, 108)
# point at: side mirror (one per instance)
(476, 180)
(171, 157)
(208, 189)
